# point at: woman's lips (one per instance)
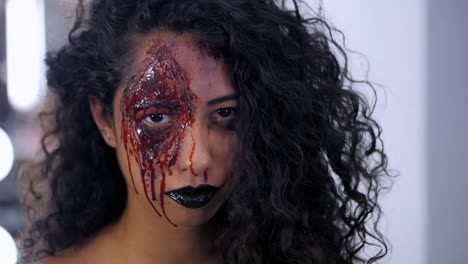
(193, 197)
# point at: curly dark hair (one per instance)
(312, 165)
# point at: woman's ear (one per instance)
(103, 122)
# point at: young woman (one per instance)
(212, 131)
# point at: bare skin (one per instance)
(155, 228)
(129, 241)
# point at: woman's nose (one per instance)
(195, 156)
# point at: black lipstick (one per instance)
(193, 197)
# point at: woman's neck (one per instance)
(141, 236)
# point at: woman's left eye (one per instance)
(224, 118)
(225, 112)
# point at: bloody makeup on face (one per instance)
(157, 108)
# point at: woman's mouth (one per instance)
(193, 197)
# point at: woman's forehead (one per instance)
(185, 48)
(201, 65)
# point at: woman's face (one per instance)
(174, 126)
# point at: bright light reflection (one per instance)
(8, 252)
(25, 52)
(6, 154)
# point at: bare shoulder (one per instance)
(57, 260)
(70, 256)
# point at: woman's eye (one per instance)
(224, 118)
(157, 118)
(225, 112)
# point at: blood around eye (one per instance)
(157, 118)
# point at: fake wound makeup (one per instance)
(158, 114)
(157, 108)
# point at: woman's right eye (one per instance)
(158, 120)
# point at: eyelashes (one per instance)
(160, 119)
(224, 118)
(225, 112)
(156, 118)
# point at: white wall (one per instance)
(392, 35)
(447, 131)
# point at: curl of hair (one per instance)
(312, 165)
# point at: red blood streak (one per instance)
(191, 156)
(125, 136)
(162, 88)
(205, 177)
(153, 192)
(161, 194)
(146, 194)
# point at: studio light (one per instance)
(25, 53)
(6, 154)
(8, 251)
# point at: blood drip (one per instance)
(126, 138)
(192, 152)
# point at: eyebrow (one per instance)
(157, 103)
(223, 98)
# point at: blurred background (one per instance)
(418, 59)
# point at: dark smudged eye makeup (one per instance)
(225, 112)
(162, 118)
(156, 117)
(224, 117)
